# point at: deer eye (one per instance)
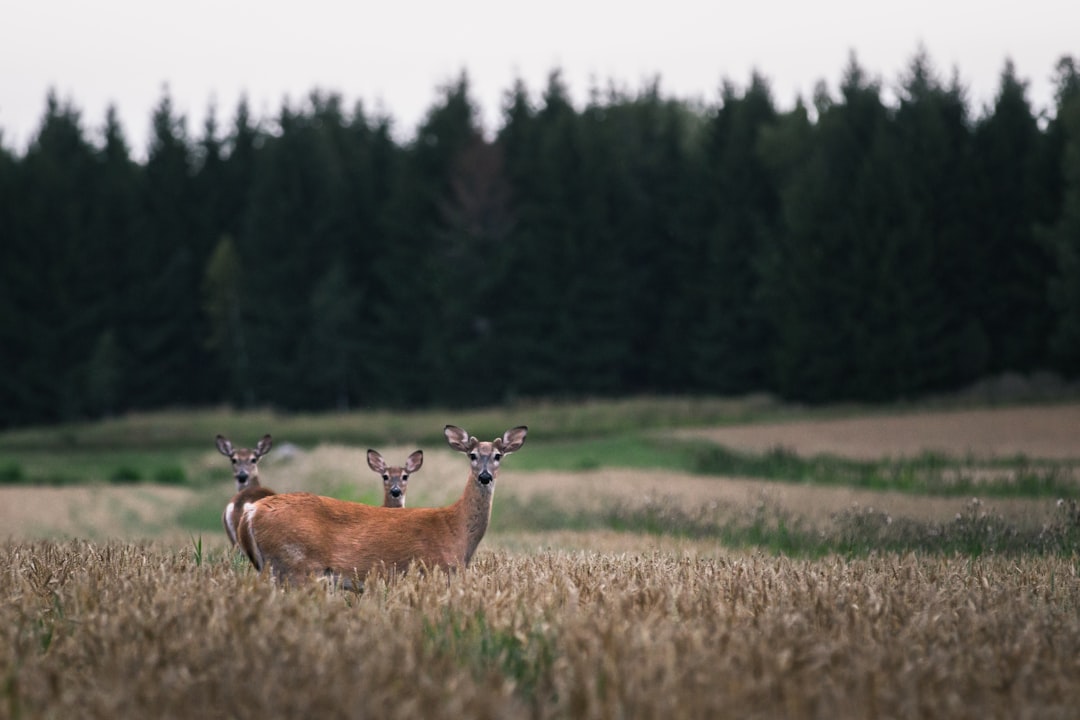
(472, 456)
(386, 477)
(233, 460)
(404, 477)
(498, 457)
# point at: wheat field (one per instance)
(107, 630)
(107, 613)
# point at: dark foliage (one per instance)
(852, 248)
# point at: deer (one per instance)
(300, 536)
(395, 479)
(245, 465)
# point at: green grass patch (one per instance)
(170, 475)
(203, 515)
(195, 429)
(91, 467)
(974, 531)
(526, 658)
(927, 474)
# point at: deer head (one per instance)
(395, 479)
(244, 461)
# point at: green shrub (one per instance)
(12, 474)
(125, 474)
(170, 475)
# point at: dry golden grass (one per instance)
(107, 630)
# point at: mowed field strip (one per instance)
(1043, 431)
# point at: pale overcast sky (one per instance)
(395, 55)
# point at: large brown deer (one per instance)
(245, 466)
(395, 479)
(297, 536)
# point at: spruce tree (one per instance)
(1012, 194)
(1063, 236)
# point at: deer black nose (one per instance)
(395, 492)
(484, 477)
(241, 476)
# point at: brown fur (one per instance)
(300, 535)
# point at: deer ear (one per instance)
(414, 461)
(264, 445)
(459, 439)
(375, 461)
(513, 439)
(224, 446)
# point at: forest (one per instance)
(874, 242)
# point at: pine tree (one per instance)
(57, 302)
(535, 336)
(730, 339)
(1012, 201)
(1063, 236)
(332, 348)
(115, 232)
(814, 288)
(223, 302)
(428, 275)
(12, 407)
(163, 322)
(928, 340)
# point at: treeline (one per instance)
(851, 247)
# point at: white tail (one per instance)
(395, 479)
(245, 464)
(300, 535)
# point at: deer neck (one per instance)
(475, 511)
(252, 482)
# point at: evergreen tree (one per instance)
(233, 189)
(12, 409)
(56, 301)
(280, 247)
(740, 207)
(163, 322)
(115, 231)
(926, 338)
(103, 374)
(536, 334)
(331, 346)
(428, 276)
(301, 221)
(1063, 236)
(372, 162)
(224, 300)
(1007, 175)
(814, 284)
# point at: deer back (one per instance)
(297, 535)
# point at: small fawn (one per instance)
(245, 464)
(300, 535)
(395, 479)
